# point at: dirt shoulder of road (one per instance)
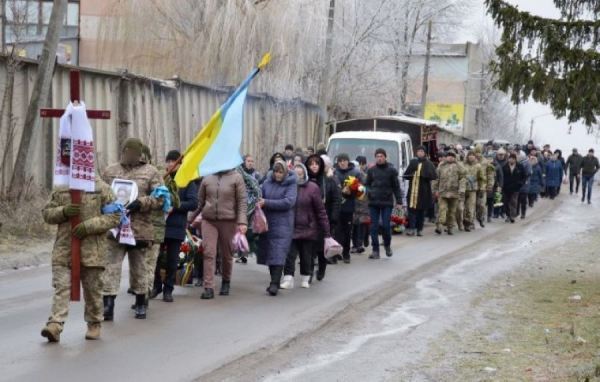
(21, 253)
(539, 322)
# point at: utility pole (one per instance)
(531, 130)
(426, 73)
(517, 118)
(323, 99)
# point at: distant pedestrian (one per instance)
(554, 176)
(419, 199)
(574, 163)
(330, 194)
(514, 177)
(361, 213)
(384, 191)
(535, 181)
(449, 187)
(279, 193)
(175, 234)
(310, 217)
(343, 171)
(589, 168)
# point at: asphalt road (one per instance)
(191, 338)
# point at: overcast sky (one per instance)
(547, 128)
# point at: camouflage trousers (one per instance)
(470, 205)
(447, 212)
(460, 212)
(151, 258)
(481, 205)
(91, 279)
(115, 254)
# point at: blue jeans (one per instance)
(383, 214)
(588, 182)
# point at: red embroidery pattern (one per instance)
(82, 160)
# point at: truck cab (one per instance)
(398, 147)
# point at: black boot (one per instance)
(276, 271)
(321, 270)
(225, 288)
(167, 296)
(208, 294)
(140, 306)
(109, 308)
(155, 292)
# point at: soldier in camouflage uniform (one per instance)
(147, 178)
(448, 189)
(92, 230)
(475, 183)
(482, 193)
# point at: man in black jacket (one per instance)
(589, 168)
(384, 187)
(343, 171)
(574, 166)
(175, 232)
(514, 175)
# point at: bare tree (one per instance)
(39, 95)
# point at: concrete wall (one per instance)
(164, 114)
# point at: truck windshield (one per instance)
(365, 147)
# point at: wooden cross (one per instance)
(75, 194)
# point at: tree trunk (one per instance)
(324, 86)
(39, 95)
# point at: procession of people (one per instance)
(308, 207)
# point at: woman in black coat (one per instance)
(332, 199)
(419, 174)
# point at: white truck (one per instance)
(364, 143)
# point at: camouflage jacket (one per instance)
(476, 179)
(451, 181)
(93, 246)
(147, 178)
(490, 175)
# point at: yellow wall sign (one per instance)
(448, 115)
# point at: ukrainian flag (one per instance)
(217, 147)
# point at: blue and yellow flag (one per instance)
(217, 147)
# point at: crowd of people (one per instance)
(306, 199)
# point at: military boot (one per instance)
(140, 306)
(93, 331)
(52, 332)
(109, 308)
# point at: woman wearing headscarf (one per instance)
(309, 217)
(279, 192)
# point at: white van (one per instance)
(398, 147)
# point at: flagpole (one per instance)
(263, 63)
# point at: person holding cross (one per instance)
(81, 208)
(148, 179)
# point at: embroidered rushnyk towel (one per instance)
(75, 152)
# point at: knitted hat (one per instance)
(421, 147)
(478, 149)
(289, 147)
(134, 144)
(342, 157)
(361, 159)
(451, 154)
(471, 152)
(591, 151)
(321, 146)
(380, 151)
(173, 155)
(147, 154)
